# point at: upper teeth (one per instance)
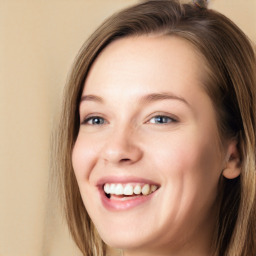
(129, 189)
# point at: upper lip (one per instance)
(124, 180)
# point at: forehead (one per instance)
(146, 64)
(148, 60)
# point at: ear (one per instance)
(233, 161)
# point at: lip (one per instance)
(118, 205)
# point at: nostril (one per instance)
(125, 160)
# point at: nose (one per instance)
(122, 147)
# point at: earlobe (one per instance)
(231, 173)
(233, 165)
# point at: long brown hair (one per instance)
(229, 61)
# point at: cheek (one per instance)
(191, 159)
(83, 157)
(83, 161)
(200, 168)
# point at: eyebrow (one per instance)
(161, 96)
(91, 98)
(146, 99)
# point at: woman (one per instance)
(156, 144)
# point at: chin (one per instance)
(131, 243)
(134, 238)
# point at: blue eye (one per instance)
(94, 120)
(161, 120)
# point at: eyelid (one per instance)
(89, 117)
(168, 121)
(161, 114)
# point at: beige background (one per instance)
(38, 41)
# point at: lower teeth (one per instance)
(122, 197)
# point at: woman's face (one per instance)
(148, 135)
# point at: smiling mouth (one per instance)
(122, 192)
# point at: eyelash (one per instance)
(87, 120)
(161, 117)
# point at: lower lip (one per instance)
(118, 205)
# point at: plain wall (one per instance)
(38, 42)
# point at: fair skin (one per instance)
(145, 119)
